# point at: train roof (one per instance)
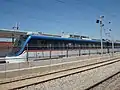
(68, 39)
(63, 39)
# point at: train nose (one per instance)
(10, 59)
(13, 59)
(7, 59)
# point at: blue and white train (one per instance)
(31, 47)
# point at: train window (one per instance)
(33, 43)
(86, 44)
(38, 44)
(56, 45)
(19, 42)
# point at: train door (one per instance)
(32, 49)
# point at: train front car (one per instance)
(16, 53)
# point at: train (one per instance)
(31, 47)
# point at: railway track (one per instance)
(95, 85)
(18, 84)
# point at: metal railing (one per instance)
(52, 55)
(55, 51)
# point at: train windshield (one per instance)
(18, 44)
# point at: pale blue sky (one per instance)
(56, 16)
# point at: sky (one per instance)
(57, 16)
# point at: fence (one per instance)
(45, 52)
(41, 56)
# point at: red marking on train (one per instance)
(42, 50)
(56, 50)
